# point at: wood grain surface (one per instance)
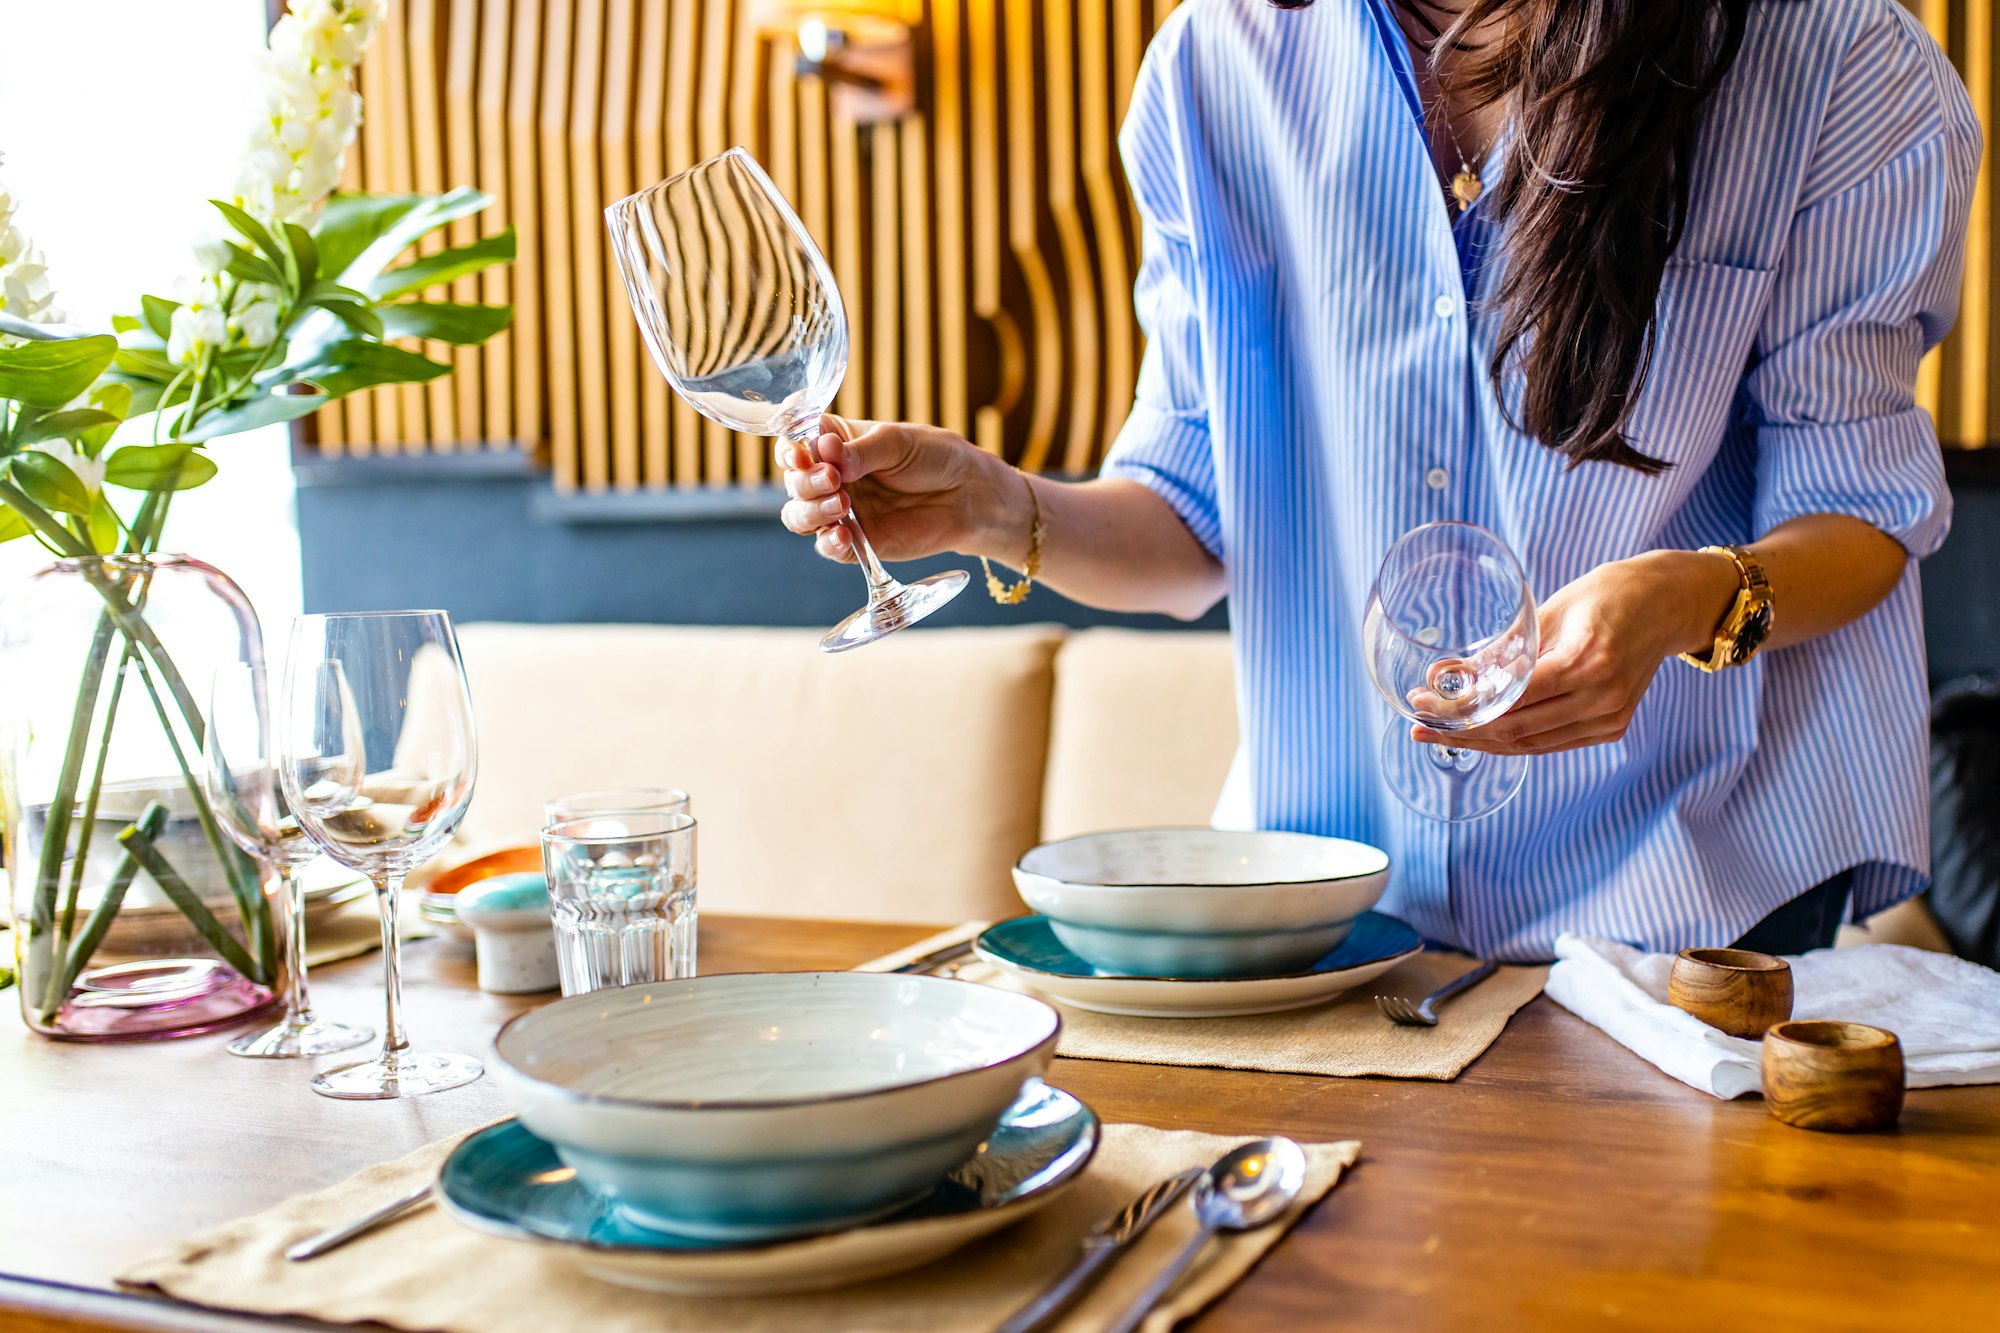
(1560, 1183)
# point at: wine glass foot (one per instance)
(403, 1074)
(297, 1038)
(904, 606)
(1438, 782)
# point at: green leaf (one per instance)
(356, 315)
(359, 235)
(50, 374)
(461, 324)
(159, 467)
(12, 525)
(50, 483)
(125, 323)
(145, 363)
(252, 268)
(103, 526)
(261, 408)
(444, 266)
(304, 251)
(68, 424)
(159, 314)
(16, 327)
(254, 232)
(113, 399)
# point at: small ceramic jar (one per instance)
(513, 937)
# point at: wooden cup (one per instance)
(1736, 990)
(1844, 1077)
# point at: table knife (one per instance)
(1100, 1246)
(936, 958)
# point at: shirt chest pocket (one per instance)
(1707, 320)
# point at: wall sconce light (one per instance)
(865, 51)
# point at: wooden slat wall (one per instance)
(985, 245)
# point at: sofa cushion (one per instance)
(895, 783)
(1143, 731)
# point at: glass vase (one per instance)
(134, 915)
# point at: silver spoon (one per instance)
(1247, 1187)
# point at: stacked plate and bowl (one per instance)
(760, 1133)
(1198, 923)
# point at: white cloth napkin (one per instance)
(1945, 1011)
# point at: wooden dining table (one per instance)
(1560, 1182)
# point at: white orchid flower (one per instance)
(257, 324)
(193, 330)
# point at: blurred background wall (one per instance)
(985, 245)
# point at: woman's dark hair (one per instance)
(1606, 97)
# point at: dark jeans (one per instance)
(1807, 922)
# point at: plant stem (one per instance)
(148, 825)
(248, 897)
(89, 828)
(142, 849)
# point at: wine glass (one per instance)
(1451, 639)
(241, 774)
(742, 316)
(378, 762)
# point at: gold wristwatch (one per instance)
(1748, 621)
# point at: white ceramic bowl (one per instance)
(750, 1106)
(1198, 902)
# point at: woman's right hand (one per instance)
(918, 491)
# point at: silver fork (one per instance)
(1424, 1015)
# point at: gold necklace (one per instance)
(1467, 185)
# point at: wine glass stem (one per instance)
(389, 897)
(298, 1004)
(805, 434)
(1454, 757)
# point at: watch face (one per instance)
(1756, 627)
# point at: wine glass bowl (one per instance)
(379, 760)
(1450, 637)
(743, 318)
(241, 773)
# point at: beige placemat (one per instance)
(429, 1273)
(1346, 1038)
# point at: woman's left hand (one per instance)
(1602, 638)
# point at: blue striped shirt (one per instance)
(1314, 386)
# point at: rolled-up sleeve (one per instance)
(1165, 443)
(1868, 283)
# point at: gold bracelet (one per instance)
(1030, 567)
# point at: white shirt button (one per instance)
(1446, 306)
(1437, 479)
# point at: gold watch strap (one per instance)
(1753, 595)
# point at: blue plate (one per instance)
(506, 1181)
(1026, 949)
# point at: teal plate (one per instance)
(1026, 949)
(507, 1182)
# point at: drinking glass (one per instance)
(738, 308)
(616, 801)
(1451, 638)
(621, 893)
(241, 773)
(378, 762)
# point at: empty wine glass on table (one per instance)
(1451, 638)
(743, 318)
(241, 772)
(378, 763)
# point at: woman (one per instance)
(1618, 279)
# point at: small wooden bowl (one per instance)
(1845, 1077)
(1735, 990)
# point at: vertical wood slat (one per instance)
(381, 408)
(462, 164)
(428, 147)
(561, 331)
(615, 140)
(410, 402)
(586, 246)
(1975, 319)
(649, 164)
(528, 333)
(495, 359)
